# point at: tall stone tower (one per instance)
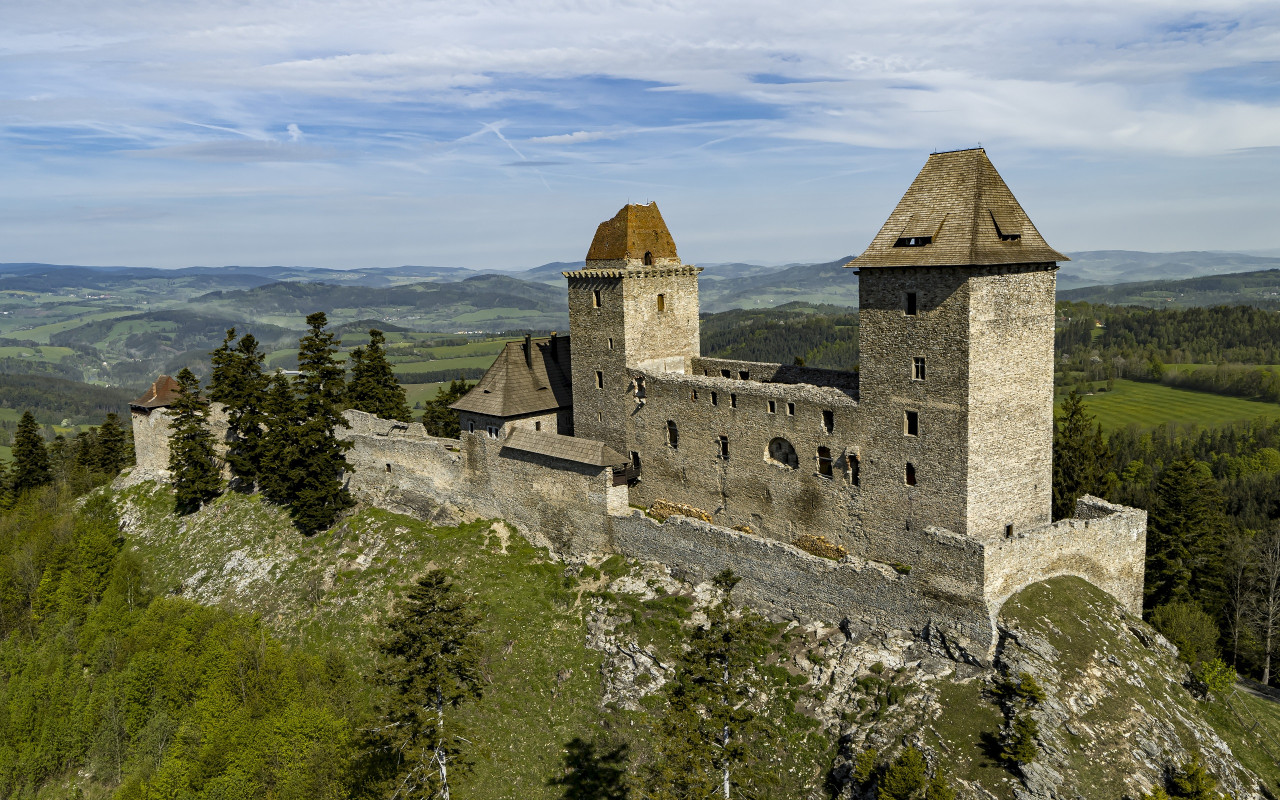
(956, 386)
(633, 305)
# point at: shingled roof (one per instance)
(515, 386)
(957, 212)
(161, 394)
(633, 231)
(566, 448)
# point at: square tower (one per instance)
(956, 298)
(633, 306)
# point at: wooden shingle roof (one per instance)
(633, 231)
(516, 385)
(565, 448)
(161, 394)
(958, 212)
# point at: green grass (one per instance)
(41, 333)
(1150, 404)
(421, 392)
(42, 353)
(481, 362)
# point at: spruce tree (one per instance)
(30, 458)
(594, 770)
(373, 387)
(1080, 457)
(1185, 535)
(239, 383)
(711, 740)
(279, 449)
(110, 448)
(430, 666)
(319, 495)
(437, 417)
(197, 477)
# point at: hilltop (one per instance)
(576, 644)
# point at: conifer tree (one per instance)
(110, 448)
(711, 739)
(239, 383)
(1080, 457)
(279, 449)
(30, 458)
(319, 495)
(1185, 535)
(197, 477)
(430, 666)
(594, 770)
(373, 387)
(437, 417)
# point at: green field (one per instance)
(480, 362)
(42, 333)
(42, 353)
(1149, 404)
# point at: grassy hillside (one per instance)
(1150, 404)
(1260, 288)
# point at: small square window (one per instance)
(743, 375)
(791, 409)
(910, 309)
(917, 369)
(911, 423)
(773, 407)
(724, 373)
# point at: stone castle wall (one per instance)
(942, 586)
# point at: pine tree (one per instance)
(710, 740)
(594, 770)
(430, 665)
(30, 458)
(197, 478)
(373, 387)
(1080, 457)
(239, 383)
(437, 417)
(1185, 535)
(1193, 782)
(279, 449)
(905, 777)
(110, 446)
(319, 495)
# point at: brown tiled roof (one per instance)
(633, 231)
(566, 448)
(512, 387)
(962, 202)
(162, 393)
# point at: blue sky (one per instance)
(498, 134)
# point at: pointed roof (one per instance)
(515, 386)
(958, 212)
(161, 394)
(633, 231)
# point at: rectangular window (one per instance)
(911, 304)
(471, 426)
(715, 399)
(599, 379)
(828, 420)
(635, 465)
(909, 475)
(595, 298)
(724, 373)
(389, 469)
(773, 407)
(733, 401)
(917, 369)
(662, 302)
(1008, 531)
(743, 375)
(492, 431)
(673, 435)
(855, 469)
(911, 423)
(791, 409)
(610, 342)
(723, 443)
(824, 462)
(537, 426)
(693, 395)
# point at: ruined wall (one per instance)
(151, 439)
(1103, 543)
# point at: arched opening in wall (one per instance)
(824, 462)
(673, 435)
(910, 474)
(648, 258)
(781, 452)
(662, 302)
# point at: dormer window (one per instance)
(921, 229)
(913, 241)
(1006, 227)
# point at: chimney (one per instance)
(554, 348)
(528, 350)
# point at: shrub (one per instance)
(1191, 630)
(1217, 676)
(904, 777)
(1019, 740)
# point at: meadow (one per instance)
(1150, 404)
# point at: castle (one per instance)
(931, 466)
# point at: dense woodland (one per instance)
(815, 336)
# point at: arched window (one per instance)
(648, 258)
(824, 462)
(781, 452)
